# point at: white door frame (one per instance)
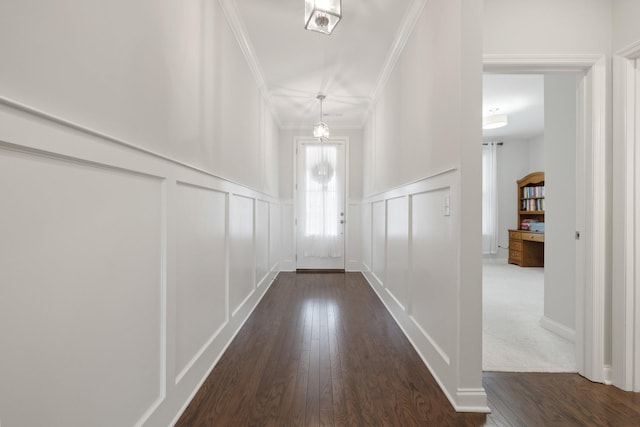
(626, 216)
(335, 140)
(591, 197)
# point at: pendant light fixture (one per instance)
(322, 15)
(320, 129)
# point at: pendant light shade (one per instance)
(322, 15)
(320, 129)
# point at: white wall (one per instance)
(560, 195)
(570, 26)
(145, 74)
(353, 255)
(422, 150)
(513, 164)
(537, 153)
(129, 257)
(626, 30)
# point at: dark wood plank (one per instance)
(321, 349)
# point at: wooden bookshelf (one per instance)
(526, 247)
(531, 198)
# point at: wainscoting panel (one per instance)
(120, 270)
(398, 250)
(288, 237)
(354, 238)
(241, 249)
(434, 260)
(366, 237)
(262, 241)
(378, 240)
(81, 294)
(201, 261)
(412, 236)
(275, 221)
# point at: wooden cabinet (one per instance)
(526, 248)
(526, 245)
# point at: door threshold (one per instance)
(319, 270)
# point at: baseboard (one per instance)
(471, 400)
(558, 328)
(607, 375)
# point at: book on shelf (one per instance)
(532, 205)
(533, 191)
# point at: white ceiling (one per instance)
(296, 65)
(521, 98)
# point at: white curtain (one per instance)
(489, 198)
(321, 193)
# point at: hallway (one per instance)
(321, 349)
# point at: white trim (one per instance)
(409, 21)
(558, 328)
(625, 371)
(596, 243)
(590, 301)
(632, 51)
(239, 31)
(537, 63)
(34, 113)
(472, 400)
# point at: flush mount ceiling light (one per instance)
(322, 15)
(320, 129)
(494, 120)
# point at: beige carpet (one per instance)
(513, 340)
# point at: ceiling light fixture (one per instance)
(322, 15)
(494, 120)
(320, 129)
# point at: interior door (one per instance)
(320, 194)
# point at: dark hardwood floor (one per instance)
(321, 349)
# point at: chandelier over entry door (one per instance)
(321, 215)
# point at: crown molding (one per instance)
(409, 21)
(232, 14)
(631, 51)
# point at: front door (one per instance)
(320, 197)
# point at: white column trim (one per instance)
(626, 288)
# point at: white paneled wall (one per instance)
(354, 237)
(201, 260)
(366, 237)
(72, 278)
(288, 248)
(378, 240)
(397, 244)
(123, 275)
(241, 249)
(415, 250)
(434, 255)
